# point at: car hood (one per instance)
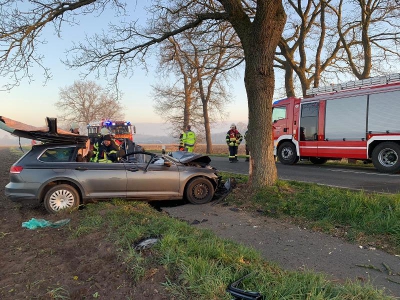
(186, 157)
(46, 134)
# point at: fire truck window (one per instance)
(279, 113)
(309, 121)
(382, 108)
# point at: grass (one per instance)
(354, 215)
(199, 265)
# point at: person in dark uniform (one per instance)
(233, 140)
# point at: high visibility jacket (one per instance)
(189, 138)
(105, 154)
(233, 137)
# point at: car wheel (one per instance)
(199, 191)
(61, 197)
(318, 160)
(287, 153)
(386, 157)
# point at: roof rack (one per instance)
(378, 80)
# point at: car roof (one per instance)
(49, 134)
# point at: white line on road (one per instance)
(368, 173)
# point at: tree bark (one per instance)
(259, 40)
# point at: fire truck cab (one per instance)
(355, 120)
(119, 129)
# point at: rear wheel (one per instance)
(287, 153)
(199, 191)
(61, 197)
(318, 160)
(386, 157)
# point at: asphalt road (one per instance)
(351, 177)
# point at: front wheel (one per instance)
(61, 197)
(199, 191)
(287, 153)
(386, 157)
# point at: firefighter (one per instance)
(106, 150)
(233, 140)
(246, 139)
(188, 139)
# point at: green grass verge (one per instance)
(355, 215)
(199, 265)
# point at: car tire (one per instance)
(199, 191)
(287, 153)
(61, 197)
(386, 157)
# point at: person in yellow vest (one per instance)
(106, 150)
(188, 139)
(233, 140)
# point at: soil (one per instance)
(48, 264)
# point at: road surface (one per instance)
(352, 177)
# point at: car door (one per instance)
(153, 181)
(102, 180)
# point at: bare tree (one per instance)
(309, 45)
(202, 61)
(84, 102)
(369, 34)
(258, 25)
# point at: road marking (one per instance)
(368, 173)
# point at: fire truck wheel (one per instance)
(386, 157)
(287, 153)
(318, 160)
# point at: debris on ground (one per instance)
(42, 223)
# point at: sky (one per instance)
(32, 102)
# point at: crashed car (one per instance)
(53, 172)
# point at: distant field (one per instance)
(200, 148)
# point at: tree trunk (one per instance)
(206, 117)
(259, 79)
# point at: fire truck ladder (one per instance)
(378, 80)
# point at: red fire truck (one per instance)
(356, 120)
(119, 129)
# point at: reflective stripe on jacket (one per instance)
(105, 154)
(233, 137)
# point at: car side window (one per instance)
(57, 155)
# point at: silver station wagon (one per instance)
(53, 173)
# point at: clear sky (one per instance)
(32, 102)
